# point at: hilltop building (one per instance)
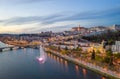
(80, 29)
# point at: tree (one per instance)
(117, 55)
(66, 48)
(65, 52)
(78, 49)
(110, 42)
(109, 57)
(110, 36)
(98, 52)
(93, 55)
(59, 48)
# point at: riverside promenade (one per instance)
(103, 71)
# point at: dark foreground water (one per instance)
(22, 64)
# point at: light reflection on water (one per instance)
(23, 65)
(65, 64)
(103, 78)
(84, 72)
(77, 70)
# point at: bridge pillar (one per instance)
(19, 47)
(36, 47)
(0, 50)
(11, 48)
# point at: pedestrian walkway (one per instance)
(90, 65)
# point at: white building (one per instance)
(116, 47)
(114, 27)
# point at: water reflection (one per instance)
(21, 65)
(64, 66)
(84, 71)
(32, 51)
(42, 57)
(77, 69)
(103, 78)
(24, 50)
(14, 51)
(61, 60)
(58, 59)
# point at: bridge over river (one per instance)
(4, 46)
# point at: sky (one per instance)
(34, 16)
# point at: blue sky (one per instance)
(30, 16)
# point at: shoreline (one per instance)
(83, 64)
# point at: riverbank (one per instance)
(107, 73)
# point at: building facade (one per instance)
(114, 27)
(116, 48)
(80, 29)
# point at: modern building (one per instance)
(114, 27)
(116, 48)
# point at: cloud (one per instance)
(51, 19)
(28, 20)
(21, 1)
(88, 15)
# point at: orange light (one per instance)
(66, 63)
(77, 68)
(84, 71)
(103, 78)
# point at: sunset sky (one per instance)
(33, 16)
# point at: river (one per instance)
(22, 64)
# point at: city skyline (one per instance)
(29, 16)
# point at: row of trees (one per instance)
(76, 51)
(107, 60)
(95, 56)
(109, 57)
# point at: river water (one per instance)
(22, 64)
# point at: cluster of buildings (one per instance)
(66, 38)
(81, 31)
(116, 48)
(92, 30)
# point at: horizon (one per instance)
(69, 29)
(34, 16)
